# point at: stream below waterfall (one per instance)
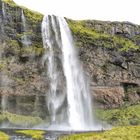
(49, 135)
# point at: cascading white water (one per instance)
(52, 42)
(4, 83)
(57, 35)
(25, 39)
(4, 105)
(3, 10)
(79, 101)
(4, 17)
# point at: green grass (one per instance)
(118, 133)
(4, 136)
(38, 51)
(123, 116)
(33, 16)
(10, 2)
(35, 134)
(89, 36)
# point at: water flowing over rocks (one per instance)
(68, 98)
(109, 51)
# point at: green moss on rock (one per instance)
(90, 36)
(35, 134)
(2, 66)
(123, 116)
(4, 136)
(33, 16)
(37, 51)
(10, 2)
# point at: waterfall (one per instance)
(52, 44)
(4, 17)
(3, 10)
(58, 41)
(79, 101)
(25, 40)
(4, 102)
(4, 83)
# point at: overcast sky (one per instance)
(110, 10)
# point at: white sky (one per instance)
(112, 10)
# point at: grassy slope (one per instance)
(32, 15)
(123, 116)
(34, 19)
(35, 134)
(118, 133)
(86, 35)
(4, 136)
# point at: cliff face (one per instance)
(110, 53)
(22, 77)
